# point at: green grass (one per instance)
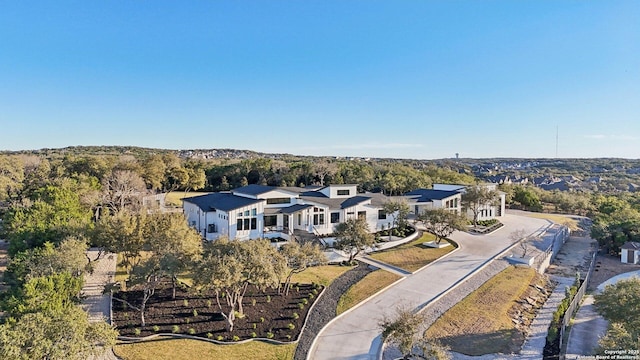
(481, 323)
(412, 256)
(323, 275)
(184, 349)
(369, 285)
(175, 197)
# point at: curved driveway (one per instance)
(355, 335)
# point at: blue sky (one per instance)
(405, 79)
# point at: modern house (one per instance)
(258, 211)
(630, 253)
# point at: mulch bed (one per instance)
(198, 314)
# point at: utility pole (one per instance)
(556, 141)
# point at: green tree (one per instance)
(11, 177)
(620, 305)
(353, 237)
(54, 213)
(69, 256)
(229, 267)
(299, 258)
(404, 330)
(124, 233)
(399, 209)
(175, 244)
(476, 198)
(442, 223)
(58, 336)
(527, 198)
(154, 172)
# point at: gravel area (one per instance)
(324, 309)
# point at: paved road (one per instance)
(355, 335)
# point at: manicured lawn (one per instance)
(175, 197)
(322, 275)
(369, 285)
(412, 256)
(481, 323)
(183, 349)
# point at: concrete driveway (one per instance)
(354, 335)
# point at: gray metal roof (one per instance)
(254, 189)
(221, 201)
(428, 195)
(631, 245)
(294, 208)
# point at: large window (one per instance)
(382, 215)
(212, 228)
(246, 221)
(362, 214)
(270, 220)
(278, 201)
(318, 216)
(343, 193)
(335, 217)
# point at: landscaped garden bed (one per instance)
(265, 314)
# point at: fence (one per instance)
(543, 262)
(575, 303)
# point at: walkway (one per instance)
(588, 325)
(355, 334)
(95, 303)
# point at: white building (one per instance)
(258, 211)
(630, 253)
(487, 211)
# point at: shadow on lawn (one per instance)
(502, 341)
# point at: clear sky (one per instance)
(407, 79)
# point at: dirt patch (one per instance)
(265, 313)
(575, 255)
(608, 266)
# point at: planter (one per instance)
(432, 244)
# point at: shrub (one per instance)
(240, 315)
(137, 332)
(253, 302)
(254, 325)
(297, 288)
(311, 296)
(253, 334)
(236, 338)
(195, 312)
(261, 319)
(305, 301)
(300, 306)
(291, 326)
(314, 292)
(191, 331)
(188, 321)
(175, 329)
(270, 335)
(268, 298)
(295, 315)
(220, 338)
(208, 303)
(156, 328)
(288, 337)
(209, 335)
(185, 302)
